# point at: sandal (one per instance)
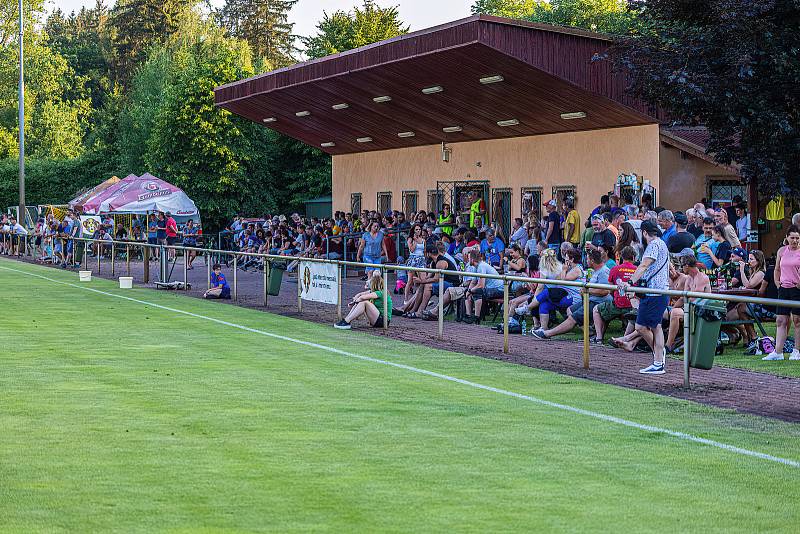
(411, 315)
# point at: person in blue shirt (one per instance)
(219, 285)
(492, 248)
(707, 238)
(666, 220)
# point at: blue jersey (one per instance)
(218, 280)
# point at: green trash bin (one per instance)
(276, 270)
(705, 324)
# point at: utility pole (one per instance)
(21, 215)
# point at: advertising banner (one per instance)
(319, 282)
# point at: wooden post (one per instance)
(441, 306)
(585, 296)
(185, 270)
(113, 257)
(687, 337)
(235, 270)
(208, 273)
(299, 288)
(505, 316)
(339, 316)
(385, 299)
(99, 255)
(128, 258)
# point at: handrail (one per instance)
(505, 278)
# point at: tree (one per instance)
(265, 25)
(733, 67)
(344, 31)
(137, 26)
(606, 16)
(514, 9)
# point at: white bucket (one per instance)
(125, 282)
(85, 276)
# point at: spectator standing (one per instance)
(787, 278)
(371, 247)
(552, 232)
(654, 274)
(666, 221)
(603, 207)
(695, 217)
(572, 223)
(446, 220)
(705, 241)
(681, 239)
(190, 240)
(172, 234)
(728, 231)
(742, 222)
(627, 238)
(730, 211)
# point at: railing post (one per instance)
(344, 254)
(185, 270)
(385, 274)
(128, 259)
(85, 260)
(585, 297)
(266, 280)
(299, 289)
(505, 316)
(339, 316)
(235, 269)
(113, 257)
(687, 338)
(99, 254)
(208, 273)
(440, 315)
(146, 261)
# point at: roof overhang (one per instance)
(546, 72)
(694, 141)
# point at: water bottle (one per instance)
(524, 326)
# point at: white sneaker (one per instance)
(772, 356)
(795, 355)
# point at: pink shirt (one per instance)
(790, 267)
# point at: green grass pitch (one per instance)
(116, 415)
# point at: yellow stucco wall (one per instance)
(684, 180)
(591, 161)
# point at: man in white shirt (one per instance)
(18, 233)
(519, 233)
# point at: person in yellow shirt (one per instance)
(572, 223)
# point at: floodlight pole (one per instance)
(21, 215)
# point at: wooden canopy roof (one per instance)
(546, 72)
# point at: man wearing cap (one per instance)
(697, 281)
(603, 238)
(653, 272)
(681, 239)
(553, 229)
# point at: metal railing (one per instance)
(210, 254)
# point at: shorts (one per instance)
(373, 261)
(488, 294)
(577, 311)
(788, 293)
(172, 240)
(456, 293)
(435, 287)
(651, 310)
(609, 311)
(152, 241)
(379, 322)
(546, 306)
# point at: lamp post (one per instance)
(21, 216)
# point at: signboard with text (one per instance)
(319, 282)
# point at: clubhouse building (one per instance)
(520, 112)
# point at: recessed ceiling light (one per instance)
(270, 119)
(509, 122)
(328, 144)
(452, 129)
(406, 134)
(302, 113)
(574, 115)
(364, 139)
(492, 79)
(340, 106)
(432, 90)
(380, 99)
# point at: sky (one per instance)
(418, 14)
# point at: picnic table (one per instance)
(744, 292)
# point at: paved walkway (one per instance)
(738, 389)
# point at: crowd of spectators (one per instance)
(623, 244)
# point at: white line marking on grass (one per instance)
(550, 404)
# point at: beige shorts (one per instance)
(456, 293)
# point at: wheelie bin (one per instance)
(705, 324)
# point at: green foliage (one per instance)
(265, 25)
(733, 67)
(606, 16)
(53, 181)
(138, 25)
(514, 9)
(342, 31)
